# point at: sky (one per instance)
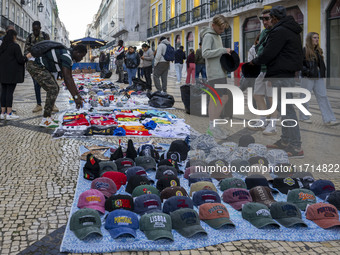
(76, 15)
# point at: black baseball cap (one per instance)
(119, 202)
(287, 214)
(168, 162)
(91, 169)
(173, 191)
(286, 184)
(177, 202)
(245, 140)
(124, 163)
(230, 62)
(334, 199)
(136, 181)
(181, 147)
(165, 170)
(167, 181)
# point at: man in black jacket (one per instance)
(283, 57)
(179, 58)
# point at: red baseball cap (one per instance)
(236, 197)
(322, 214)
(117, 177)
(105, 186)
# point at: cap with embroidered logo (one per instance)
(186, 222)
(105, 186)
(232, 183)
(258, 215)
(301, 198)
(236, 197)
(91, 170)
(124, 163)
(322, 214)
(165, 170)
(200, 186)
(167, 181)
(334, 199)
(147, 203)
(216, 215)
(322, 188)
(205, 196)
(136, 181)
(156, 226)
(173, 191)
(287, 214)
(148, 163)
(177, 202)
(93, 199)
(145, 189)
(121, 222)
(263, 195)
(286, 184)
(84, 222)
(119, 202)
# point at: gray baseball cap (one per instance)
(85, 222)
(156, 226)
(258, 215)
(148, 163)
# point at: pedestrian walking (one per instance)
(179, 59)
(200, 64)
(107, 61)
(102, 61)
(191, 67)
(140, 71)
(120, 55)
(148, 57)
(132, 62)
(283, 57)
(313, 74)
(12, 71)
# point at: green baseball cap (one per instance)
(156, 226)
(287, 214)
(148, 163)
(84, 222)
(229, 183)
(301, 198)
(145, 189)
(258, 215)
(186, 222)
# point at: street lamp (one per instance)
(55, 30)
(112, 23)
(40, 7)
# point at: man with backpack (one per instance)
(120, 55)
(32, 39)
(165, 54)
(51, 61)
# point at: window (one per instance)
(7, 9)
(153, 17)
(251, 28)
(168, 9)
(177, 42)
(22, 19)
(12, 12)
(178, 7)
(190, 42)
(18, 18)
(190, 5)
(160, 13)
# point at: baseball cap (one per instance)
(91, 168)
(301, 198)
(136, 181)
(258, 215)
(262, 194)
(147, 203)
(258, 160)
(177, 202)
(145, 189)
(236, 197)
(148, 150)
(156, 226)
(334, 199)
(284, 170)
(245, 140)
(122, 222)
(205, 196)
(239, 166)
(305, 178)
(221, 167)
(322, 188)
(135, 170)
(197, 177)
(287, 214)
(168, 162)
(104, 185)
(286, 184)
(118, 178)
(193, 162)
(186, 222)
(147, 162)
(107, 166)
(84, 222)
(117, 153)
(123, 164)
(216, 215)
(119, 202)
(256, 180)
(193, 169)
(167, 181)
(181, 147)
(131, 151)
(173, 155)
(322, 214)
(200, 186)
(93, 199)
(279, 12)
(232, 183)
(165, 170)
(196, 154)
(173, 191)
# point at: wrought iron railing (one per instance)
(184, 19)
(173, 22)
(241, 3)
(150, 32)
(164, 27)
(156, 30)
(199, 13)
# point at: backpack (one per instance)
(40, 48)
(169, 53)
(161, 100)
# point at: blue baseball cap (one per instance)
(322, 188)
(198, 177)
(122, 222)
(177, 202)
(205, 196)
(136, 170)
(147, 203)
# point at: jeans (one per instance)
(161, 71)
(147, 72)
(131, 74)
(37, 90)
(140, 72)
(318, 86)
(178, 68)
(200, 68)
(289, 134)
(191, 73)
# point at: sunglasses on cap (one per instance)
(264, 18)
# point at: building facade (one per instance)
(22, 13)
(181, 21)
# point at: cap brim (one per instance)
(267, 203)
(219, 222)
(327, 223)
(263, 222)
(116, 232)
(189, 231)
(84, 232)
(158, 234)
(238, 205)
(302, 205)
(95, 207)
(323, 196)
(290, 222)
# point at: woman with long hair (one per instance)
(313, 74)
(12, 71)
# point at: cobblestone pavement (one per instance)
(38, 177)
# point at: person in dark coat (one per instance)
(283, 56)
(102, 58)
(12, 71)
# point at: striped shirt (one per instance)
(55, 59)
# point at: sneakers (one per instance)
(270, 130)
(259, 125)
(278, 145)
(218, 133)
(178, 83)
(38, 108)
(55, 109)
(48, 123)
(332, 123)
(11, 116)
(309, 121)
(2, 116)
(294, 153)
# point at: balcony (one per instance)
(199, 13)
(156, 30)
(150, 32)
(173, 23)
(221, 6)
(241, 3)
(184, 19)
(164, 27)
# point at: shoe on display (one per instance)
(332, 123)
(278, 145)
(55, 109)
(270, 130)
(37, 108)
(218, 133)
(258, 126)
(309, 121)
(294, 153)
(2, 116)
(48, 123)
(11, 116)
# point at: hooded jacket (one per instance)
(161, 49)
(212, 50)
(282, 53)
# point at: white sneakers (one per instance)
(259, 125)
(2, 116)
(10, 116)
(48, 123)
(269, 130)
(178, 83)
